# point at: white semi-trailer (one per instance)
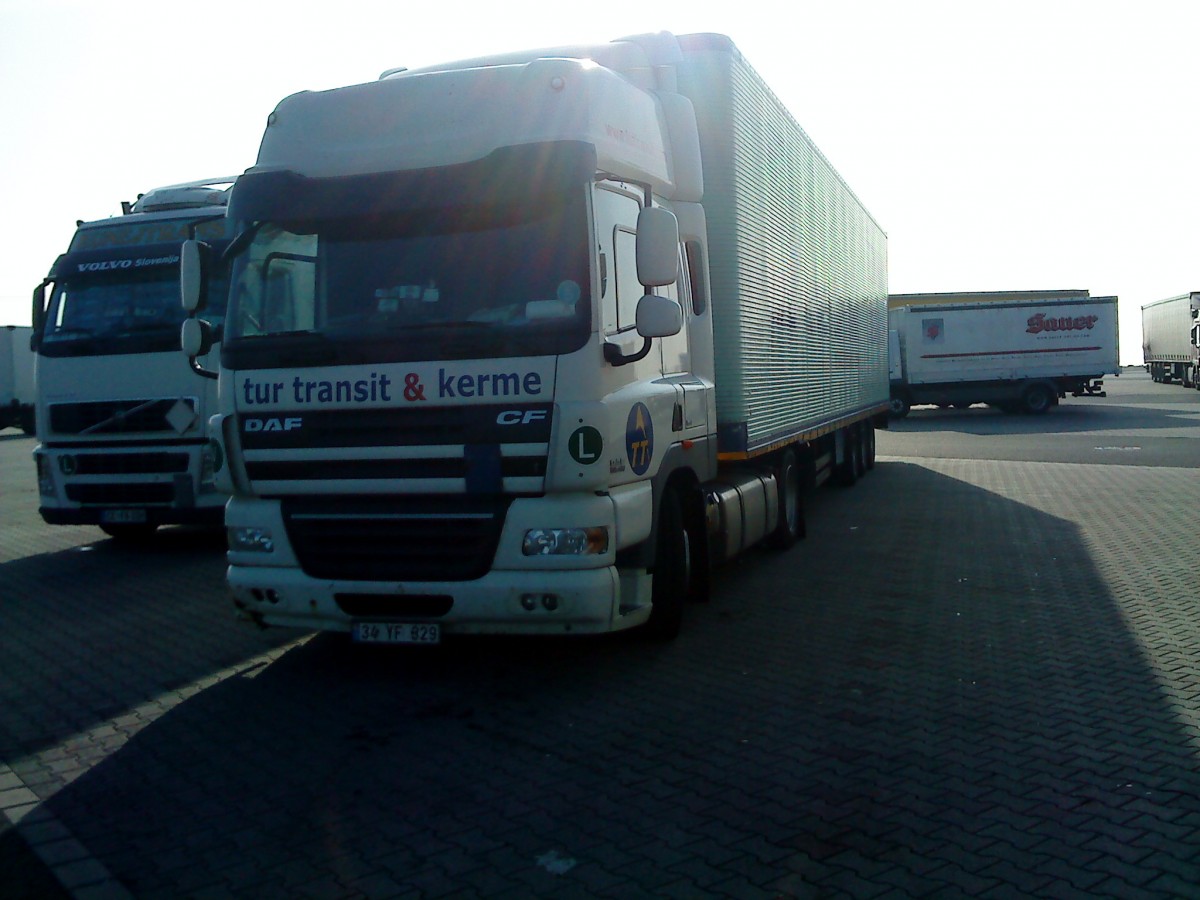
(1171, 339)
(120, 416)
(16, 378)
(525, 344)
(1020, 351)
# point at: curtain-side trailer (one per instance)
(16, 378)
(1020, 351)
(525, 344)
(1171, 339)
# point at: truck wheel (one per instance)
(898, 408)
(869, 445)
(1037, 399)
(672, 570)
(790, 527)
(130, 534)
(850, 466)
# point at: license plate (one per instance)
(396, 633)
(123, 516)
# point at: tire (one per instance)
(859, 433)
(898, 407)
(790, 527)
(850, 466)
(869, 445)
(26, 420)
(672, 570)
(130, 534)
(1037, 399)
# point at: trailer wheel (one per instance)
(898, 407)
(850, 466)
(869, 445)
(790, 527)
(672, 570)
(1036, 399)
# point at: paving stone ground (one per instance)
(976, 677)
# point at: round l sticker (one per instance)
(586, 445)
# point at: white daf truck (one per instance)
(120, 416)
(16, 378)
(526, 344)
(1171, 339)
(1020, 351)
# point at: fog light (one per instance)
(528, 602)
(249, 539)
(565, 541)
(550, 602)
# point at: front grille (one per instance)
(115, 416)
(448, 538)
(116, 494)
(130, 463)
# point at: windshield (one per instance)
(447, 283)
(120, 312)
(117, 289)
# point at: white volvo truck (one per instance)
(120, 416)
(525, 344)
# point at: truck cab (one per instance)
(120, 417)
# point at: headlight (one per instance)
(211, 460)
(248, 539)
(45, 480)
(565, 541)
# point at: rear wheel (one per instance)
(672, 570)
(790, 527)
(898, 407)
(851, 465)
(869, 445)
(1037, 399)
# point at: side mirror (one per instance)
(657, 247)
(195, 337)
(658, 317)
(193, 274)
(39, 315)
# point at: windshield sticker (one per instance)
(639, 438)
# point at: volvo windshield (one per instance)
(117, 290)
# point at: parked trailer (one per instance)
(1171, 339)
(525, 344)
(1019, 351)
(121, 419)
(16, 378)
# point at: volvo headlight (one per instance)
(565, 541)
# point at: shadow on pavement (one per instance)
(936, 692)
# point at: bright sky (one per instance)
(1009, 145)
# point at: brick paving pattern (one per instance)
(974, 678)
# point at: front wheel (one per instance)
(672, 570)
